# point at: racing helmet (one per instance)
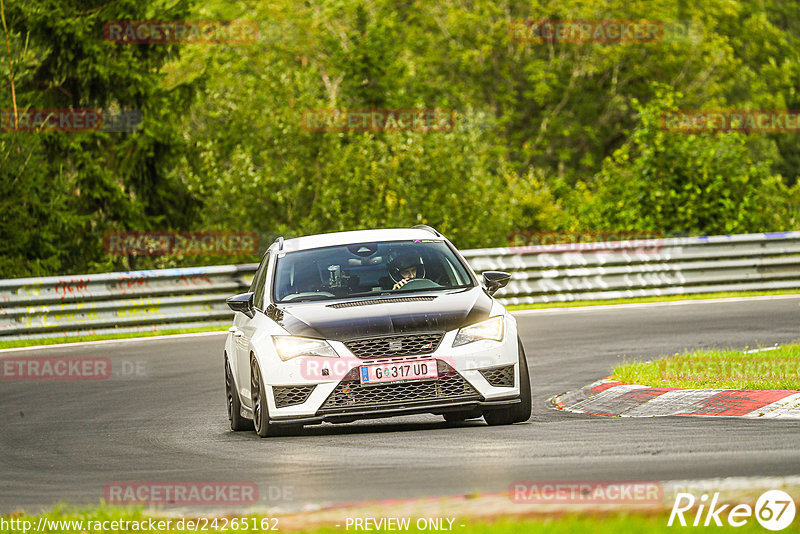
(400, 261)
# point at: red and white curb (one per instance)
(611, 398)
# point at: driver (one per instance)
(405, 267)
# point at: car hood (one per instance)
(371, 317)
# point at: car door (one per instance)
(244, 328)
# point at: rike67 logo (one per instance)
(774, 510)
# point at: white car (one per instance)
(367, 324)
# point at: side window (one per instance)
(257, 286)
(261, 283)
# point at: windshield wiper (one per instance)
(365, 294)
(308, 299)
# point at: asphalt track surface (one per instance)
(64, 441)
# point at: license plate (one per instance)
(399, 372)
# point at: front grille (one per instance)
(355, 303)
(291, 395)
(398, 345)
(499, 376)
(351, 394)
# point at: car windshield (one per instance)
(364, 269)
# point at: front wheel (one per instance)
(238, 423)
(258, 394)
(520, 412)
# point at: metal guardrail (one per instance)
(135, 301)
(191, 297)
(654, 267)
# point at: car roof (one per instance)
(356, 236)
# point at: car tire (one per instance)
(521, 411)
(234, 403)
(261, 421)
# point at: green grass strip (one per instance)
(121, 335)
(669, 298)
(726, 369)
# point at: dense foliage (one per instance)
(548, 136)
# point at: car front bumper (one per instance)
(388, 411)
(467, 381)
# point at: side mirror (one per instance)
(494, 280)
(242, 302)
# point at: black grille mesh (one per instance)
(392, 346)
(291, 395)
(499, 376)
(349, 393)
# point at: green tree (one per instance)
(100, 181)
(703, 184)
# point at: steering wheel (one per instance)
(420, 283)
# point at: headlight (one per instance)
(488, 329)
(289, 347)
